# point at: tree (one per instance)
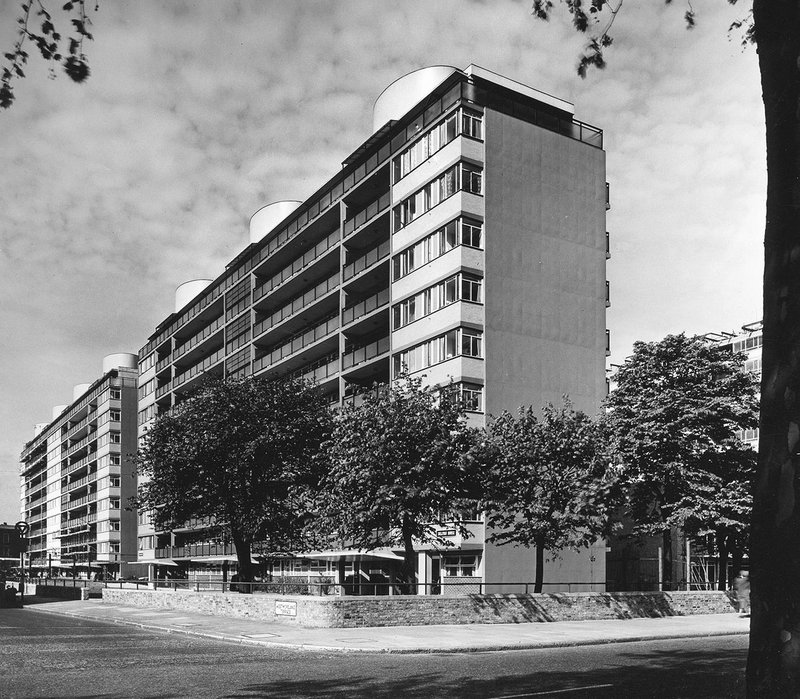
(773, 666)
(241, 452)
(675, 415)
(720, 506)
(48, 41)
(549, 483)
(399, 464)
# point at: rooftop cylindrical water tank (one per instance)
(405, 92)
(79, 389)
(188, 290)
(267, 217)
(38, 427)
(57, 410)
(125, 360)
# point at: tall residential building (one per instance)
(465, 239)
(77, 475)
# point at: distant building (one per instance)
(11, 545)
(465, 239)
(77, 475)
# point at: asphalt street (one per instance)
(44, 655)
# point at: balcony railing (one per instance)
(366, 261)
(297, 343)
(193, 341)
(91, 416)
(82, 443)
(70, 468)
(319, 370)
(296, 266)
(296, 305)
(372, 210)
(196, 550)
(365, 353)
(163, 364)
(369, 304)
(161, 390)
(198, 368)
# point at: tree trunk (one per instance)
(539, 580)
(666, 559)
(409, 560)
(773, 665)
(723, 539)
(243, 555)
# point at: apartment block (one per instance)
(77, 474)
(464, 240)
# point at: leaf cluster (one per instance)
(550, 482)
(596, 18)
(675, 416)
(36, 25)
(241, 452)
(399, 463)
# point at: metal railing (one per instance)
(369, 304)
(370, 211)
(198, 368)
(366, 261)
(193, 341)
(297, 343)
(365, 353)
(296, 305)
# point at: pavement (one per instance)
(400, 639)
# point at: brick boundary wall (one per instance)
(355, 612)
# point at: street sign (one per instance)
(22, 528)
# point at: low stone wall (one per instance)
(60, 591)
(353, 612)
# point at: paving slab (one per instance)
(403, 639)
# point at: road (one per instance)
(44, 655)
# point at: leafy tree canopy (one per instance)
(549, 482)
(399, 464)
(676, 414)
(239, 451)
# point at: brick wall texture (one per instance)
(353, 612)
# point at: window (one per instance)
(147, 362)
(459, 566)
(461, 341)
(471, 397)
(472, 124)
(457, 232)
(114, 415)
(471, 342)
(471, 288)
(116, 460)
(113, 481)
(113, 503)
(115, 437)
(144, 390)
(437, 296)
(115, 394)
(459, 122)
(463, 176)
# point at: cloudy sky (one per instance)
(198, 113)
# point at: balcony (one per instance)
(78, 426)
(366, 261)
(196, 551)
(163, 364)
(161, 390)
(297, 343)
(368, 305)
(296, 305)
(297, 266)
(198, 368)
(82, 443)
(365, 353)
(193, 341)
(318, 371)
(371, 211)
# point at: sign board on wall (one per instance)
(285, 608)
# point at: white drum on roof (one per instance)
(405, 92)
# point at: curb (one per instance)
(532, 645)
